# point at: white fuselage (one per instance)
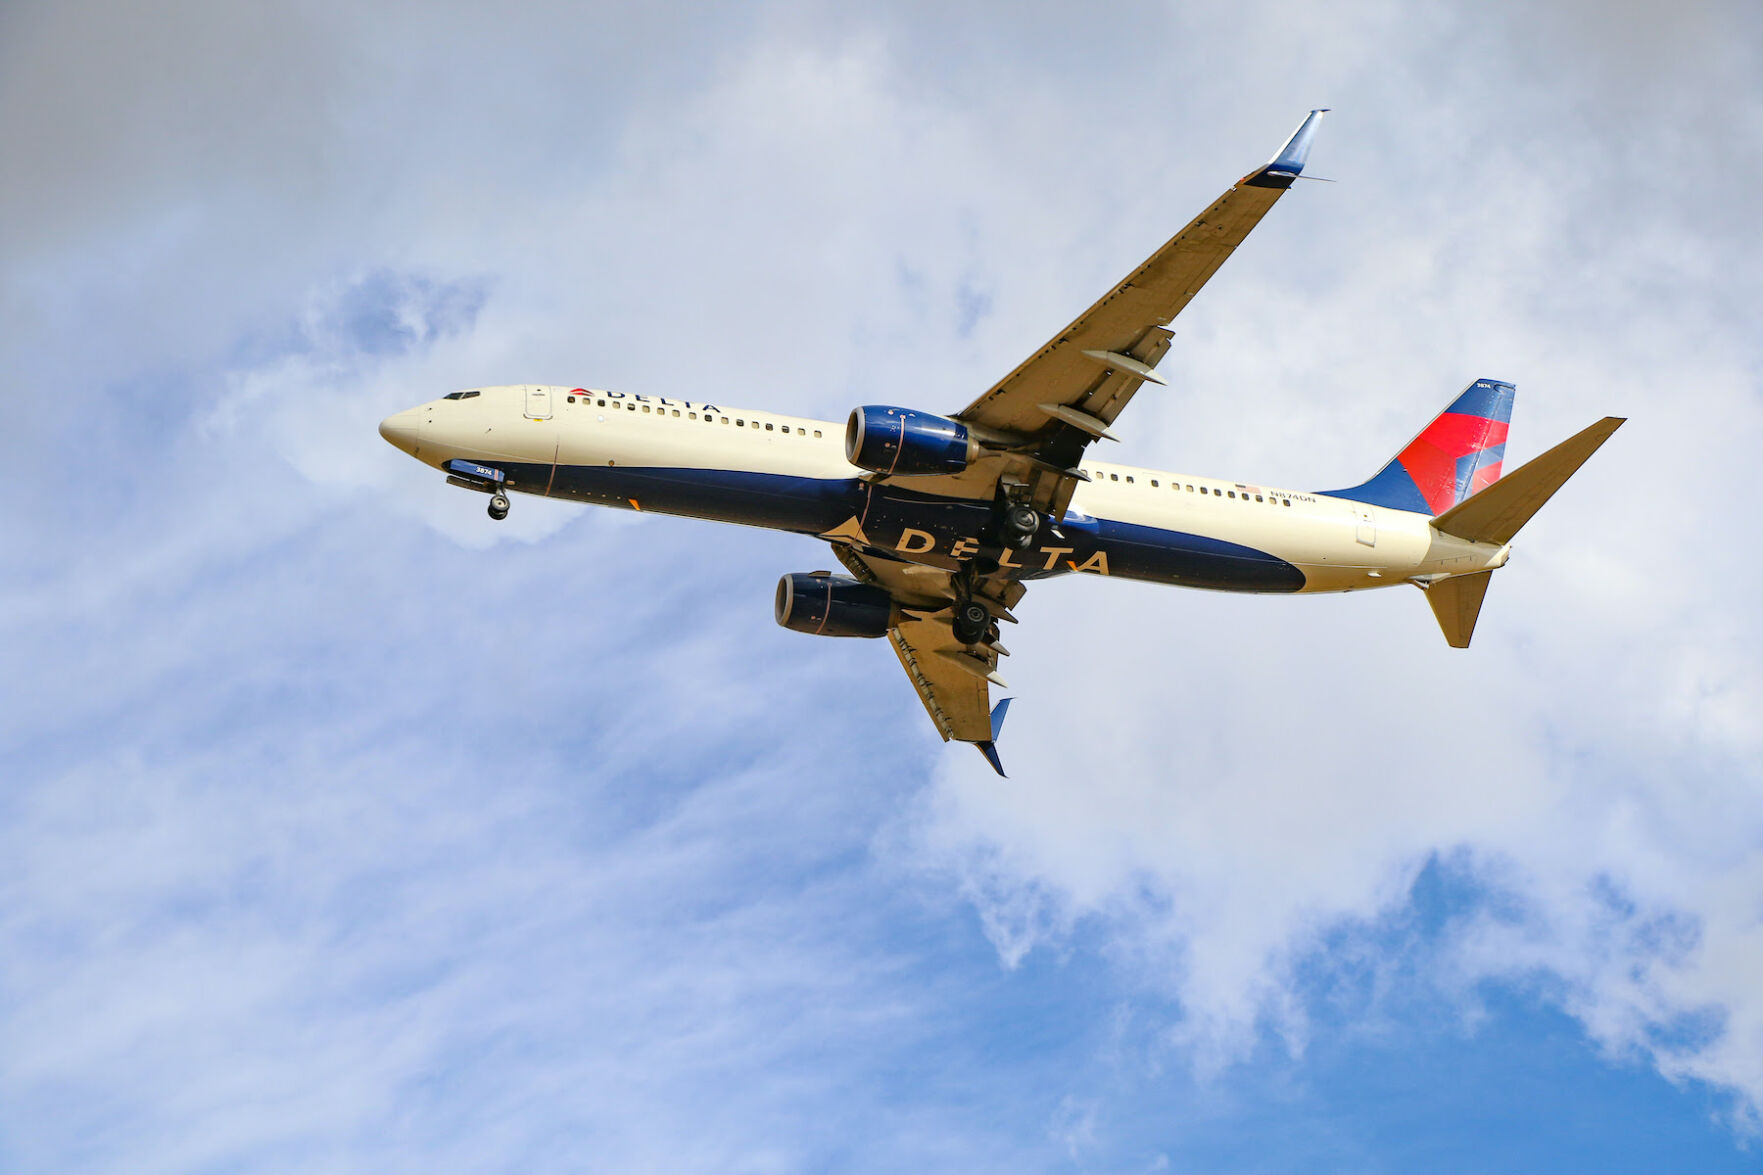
(785, 472)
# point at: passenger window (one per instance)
(1285, 501)
(768, 428)
(676, 411)
(1129, 479)
(1230, 494)
(1114, 477)
(691, 416)
(1154, 483)
(1258, 497)
(740, 424)
(645, 409)
(817, 432)
(725, 420)
(599, 403)
(572, 399)
(1190, 489)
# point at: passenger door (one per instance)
(538, 403)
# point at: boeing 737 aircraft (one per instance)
(943, 521)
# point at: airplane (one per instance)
(942, 522)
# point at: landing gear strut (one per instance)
(499, 505)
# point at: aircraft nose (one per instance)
(403, 429)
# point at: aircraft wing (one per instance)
(1067, 393)
(958, 698)
(1094, 366)
(953, 680)
(1034, 425)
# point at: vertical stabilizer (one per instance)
(1456, 602)
(1453, 458)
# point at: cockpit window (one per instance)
(460, 395)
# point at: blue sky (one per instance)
(344, 829)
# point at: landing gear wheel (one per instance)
(971, 622)
(499, 506)
(1021, 524)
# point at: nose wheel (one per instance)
(498, 505)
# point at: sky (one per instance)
(343, 829)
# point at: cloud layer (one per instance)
(350, 830)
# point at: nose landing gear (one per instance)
(499, 505)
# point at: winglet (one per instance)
(999, 713)
(1289, 163)
(989, 747)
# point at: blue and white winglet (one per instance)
(989, 747)
(1288, 165)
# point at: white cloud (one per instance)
(285, 870)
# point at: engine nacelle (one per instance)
(831, 605)
(905, 441)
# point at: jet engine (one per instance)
(831, 605)
(903, 441)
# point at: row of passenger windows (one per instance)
(1178, 487)
(742, 422)
(738, 422)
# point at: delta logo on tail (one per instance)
(1457, 455)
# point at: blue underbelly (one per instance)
(776, 501)
(1191, 560)
(902, 522)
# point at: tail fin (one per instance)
(1454, 457)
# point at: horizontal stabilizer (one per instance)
(1456, 602)
(1498, 512)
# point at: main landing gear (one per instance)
(1018, 525)
(498, 505)
(972, 622)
